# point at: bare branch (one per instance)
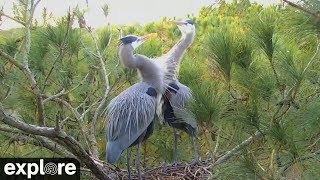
(42, 142)
(236, 149)
(65, 120)
(31, 129)
(87, 50)
(93, 141)
(8, 129)
(61, 138)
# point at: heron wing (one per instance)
(185, 116)
(129, 115)
(181, 98)
(179, 102)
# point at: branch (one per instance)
(42, 142)
(93, 140)
(12, 18)
(61, 138)
(313, 58)
(8, 129)
(7, 94)
(26, 52)
(12, 60)
(300, 8)
(236, 149)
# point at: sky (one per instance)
(122, 12)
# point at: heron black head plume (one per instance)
(189, 21)
(128, 39)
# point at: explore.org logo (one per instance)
(39, 168)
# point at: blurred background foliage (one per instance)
(251, 68)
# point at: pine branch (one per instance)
(61, 49)
(99, 55)
(26, 71)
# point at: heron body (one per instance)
(132, 113)
(178, 95)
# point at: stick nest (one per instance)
(182, 171)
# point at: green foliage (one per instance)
(220, 46)
(263, 29)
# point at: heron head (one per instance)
(135, 41)
(186, 26)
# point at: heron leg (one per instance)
(138, 162)
(175, 146)
(196, 156)
(128, 163)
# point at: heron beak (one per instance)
(148, 36)
(178, 23)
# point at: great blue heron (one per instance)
(177, 95)
(132, 113)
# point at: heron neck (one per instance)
(127, 57)
(185, 41)
(174, 56)
(151, 73)
(148, 70)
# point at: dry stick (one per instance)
(217, 144)
(236, 149)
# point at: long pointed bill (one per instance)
(148, 36)
(177, 22)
